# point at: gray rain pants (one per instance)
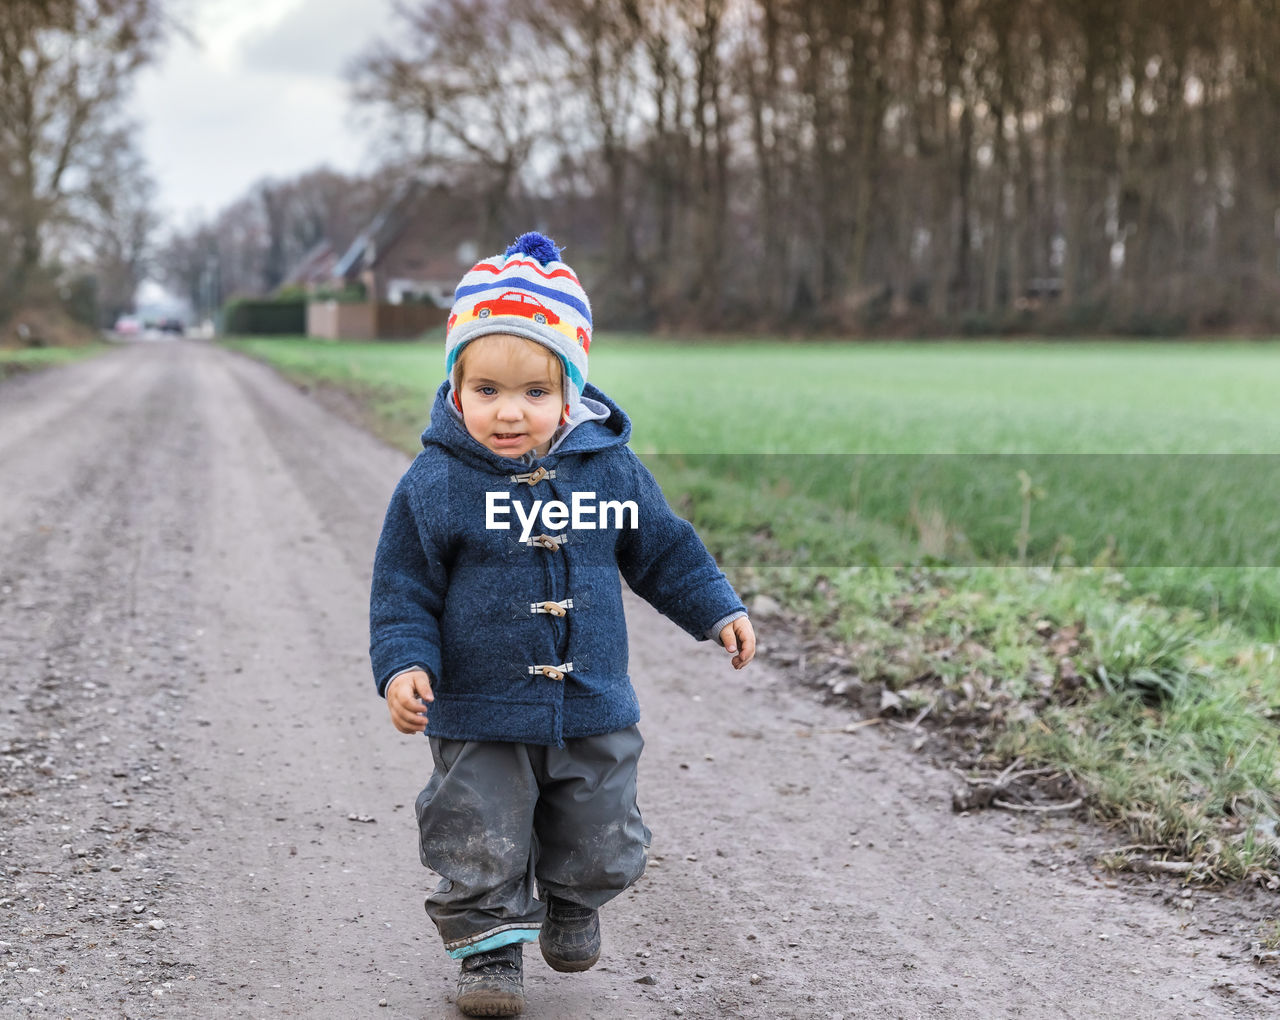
(502, 822)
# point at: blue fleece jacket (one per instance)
(526, 641)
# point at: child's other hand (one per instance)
(406, 695)
(739, 639)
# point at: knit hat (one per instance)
(527, 292)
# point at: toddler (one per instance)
(496, 626)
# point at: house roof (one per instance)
(445, 226)
(385, 227)
(314, 266)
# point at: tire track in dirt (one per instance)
(231, 686)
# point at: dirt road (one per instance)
(205, 812)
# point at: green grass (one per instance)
(1164, 723)
(1055, 539)
(1162, 459)
(397, 382)
(969, 397)
(31, 358)
(937, 398)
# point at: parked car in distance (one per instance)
(127, 325)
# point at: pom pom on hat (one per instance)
(527, 292)
(539, 246)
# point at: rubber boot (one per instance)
(570, 936)
(492, 983)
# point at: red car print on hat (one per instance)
(584, 340)
(513, 302)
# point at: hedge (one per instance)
(265, 318)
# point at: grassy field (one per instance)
(938, 398)
(1073, 542)
(1158, 458)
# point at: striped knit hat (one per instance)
(527, 292)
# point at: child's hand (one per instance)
(739, 639)
(406, 695)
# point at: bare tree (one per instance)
(467, 88)
(188, 263)
(111, 225)
(65, 66)
(594, 45)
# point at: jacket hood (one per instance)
(446, 431)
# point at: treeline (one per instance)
(76, 217)
(871, 164)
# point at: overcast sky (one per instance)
(258, 91)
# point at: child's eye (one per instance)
(487, 391)
(536, 392)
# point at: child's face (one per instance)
(510, 393)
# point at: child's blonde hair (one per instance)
(509, 344)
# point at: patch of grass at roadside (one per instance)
(1268, 940)
(831, 512)
(1164, 723)
(394, 382)
(1153, 690)
(27, 359)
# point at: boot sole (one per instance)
(491, 1004)
(568, 966)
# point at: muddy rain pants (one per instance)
(501, 823)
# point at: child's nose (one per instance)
(509, 410)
